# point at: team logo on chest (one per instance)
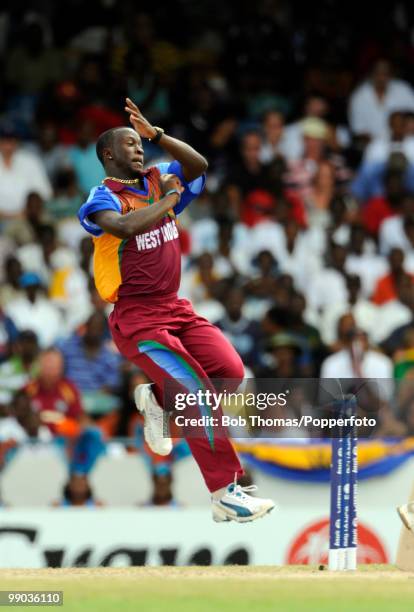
(155, 238)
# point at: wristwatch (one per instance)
(158, 135)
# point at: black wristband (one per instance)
(158, 135)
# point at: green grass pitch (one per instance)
(377, 588)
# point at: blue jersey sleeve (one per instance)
(192, 189)
(100, 198)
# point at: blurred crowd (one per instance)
(301, 248)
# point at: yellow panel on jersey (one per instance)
(106, 266)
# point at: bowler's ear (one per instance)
(107, 153)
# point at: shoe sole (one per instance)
(138, 393)
(223, 517)
(404, 519)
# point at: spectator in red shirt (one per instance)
(56, 398)
(381, 207)
(57, 401)
(386, 288)
(273, 201)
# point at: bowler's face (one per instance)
(128, 151)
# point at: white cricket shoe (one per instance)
(155, 420)
(236, 505)
(406, 514)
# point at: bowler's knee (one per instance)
(233, 371)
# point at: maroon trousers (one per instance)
(166, 339)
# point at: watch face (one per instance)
(158, 135)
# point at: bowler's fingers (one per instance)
(132, 107)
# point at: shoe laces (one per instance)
(240, 491)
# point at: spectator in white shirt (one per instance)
(328, 285)
(199, 283)
(23, 422)
(364, 312)
(53, 155)
(392, 231)
(35, 312)
(24, 230)
(21, 172)
(46, 256)
(356, 360)
(226, 240)
(396, 141)
(338, 229)
(363, 259)
(294, 255)
(10, 285)
(373, 101)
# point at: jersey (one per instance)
(148, 264)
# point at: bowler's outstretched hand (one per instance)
(138, 121)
